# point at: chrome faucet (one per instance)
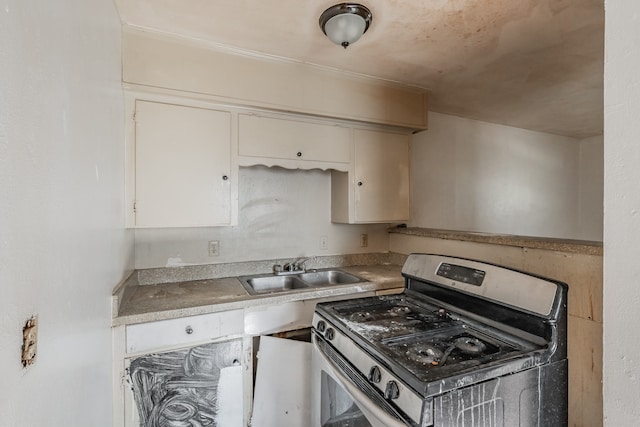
(294, 267)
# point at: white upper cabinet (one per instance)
(376, 189)
(183, 173)
(292, 143)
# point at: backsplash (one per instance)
(155, 276)
(282, 214)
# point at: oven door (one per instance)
(337, 402)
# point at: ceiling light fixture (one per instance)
(345, 23)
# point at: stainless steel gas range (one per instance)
(466, 344)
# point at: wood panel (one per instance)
(585, 373)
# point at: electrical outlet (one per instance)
(324, 243)
(30, 341)
(214, 248)
(364, 240)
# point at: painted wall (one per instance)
(282, 214)
(621, 219)
(475, 176)
(63, 246)
(591, 182)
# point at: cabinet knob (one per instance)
(225, 177)
(359, 183)
(299, 154)
(189, 330)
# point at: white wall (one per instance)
(476, 176)
(63, 246)
(591, 182)
(282, 214)
(621, 213)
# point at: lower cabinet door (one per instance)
(196, 386)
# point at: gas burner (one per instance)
(361, 316)
(470, 345)
(467, 345)
(424, 354)
(399, 310)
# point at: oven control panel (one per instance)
(490, 282)
(462, 274)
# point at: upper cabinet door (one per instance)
(287, 139)
(182, 166)
(381, 176)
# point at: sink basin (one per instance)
(274, 283)
(268, 283)
(329, 277)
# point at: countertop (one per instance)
(547, 243)
(138, 303)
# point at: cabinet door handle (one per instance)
(299, 154)
(359, 183)
(189, 330)
(225, 177)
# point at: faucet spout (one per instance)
(299, 264)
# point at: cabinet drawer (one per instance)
(185, 330)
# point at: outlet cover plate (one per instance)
(214, 248)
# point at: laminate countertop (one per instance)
(137, 303)
(586, 247)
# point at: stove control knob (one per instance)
(392, 391)
(329, 334)
(321, 326)
(374, 375)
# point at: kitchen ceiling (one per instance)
(533, 64)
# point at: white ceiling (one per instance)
(534, 64)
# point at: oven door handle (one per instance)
(361, 398)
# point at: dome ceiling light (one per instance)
(345, 23)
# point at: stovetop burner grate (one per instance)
(425, 353)
(424, 340)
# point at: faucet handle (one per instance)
(299, 264)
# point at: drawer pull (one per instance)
(189, 330)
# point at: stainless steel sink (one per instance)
(274, 284)
(329, 277)
(269, 283)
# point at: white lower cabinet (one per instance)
(194, 386)
(193, 370)
(200, 370)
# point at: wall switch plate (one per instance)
(324, 243)
(30, 341)
(364, 240)
(214, 248)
